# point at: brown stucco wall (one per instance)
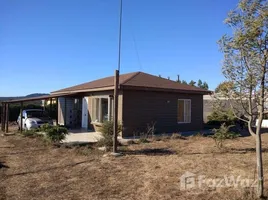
(142, 107)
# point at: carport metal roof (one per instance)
(43, 97)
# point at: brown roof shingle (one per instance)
(138, 80)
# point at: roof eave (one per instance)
(128, 87)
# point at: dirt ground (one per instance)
(29, 169)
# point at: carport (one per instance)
(5, 107)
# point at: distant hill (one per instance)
(29, 95)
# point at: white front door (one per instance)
(85, 113)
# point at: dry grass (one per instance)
(32, 170)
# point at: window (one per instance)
(184, 111)
(100, 109)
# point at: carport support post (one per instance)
(116, 78)
(3, 117)
(65, 110)
(21, 121)
(57, 111)
(7, 117)
(50, 107)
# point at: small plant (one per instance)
(222, 134)
(54, 133)
(31, 133)
(177, 136)
(143, 138)
(150, 130)
(107, 134)
(198, 134)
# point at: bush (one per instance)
(222, 134)
(54, 133)
(107, 134)
(218, 117)
(31, 133)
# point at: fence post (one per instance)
(3, 117)
(21, 120)
(7, 117)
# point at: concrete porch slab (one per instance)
(80, 136)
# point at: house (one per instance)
(143, 98)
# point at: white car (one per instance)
(33, 118)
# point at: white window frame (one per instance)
(184, 114)
(99, 109)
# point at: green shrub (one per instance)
(108, 127)
(31, 133)
(54, 133)
(107, 134)
(223, 133)
(218, 117)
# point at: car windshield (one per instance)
(37, 113)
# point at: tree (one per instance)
(199, 83)
(192, 83)
(202, 85)
(184, 82)
(224, 87)
(205, 85)
(245, 65)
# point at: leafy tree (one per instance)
(225, 87)
(205, 85)
(245, 65)
(199, 83)
(184, 82)
(192, 83)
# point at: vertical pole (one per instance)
(7, 116)
(116, 83)
(109, 109)
(21, 120)
(2, 117)
(57, 111)
(65, 111)
(50, 107)
(120, 32)
(116, 80)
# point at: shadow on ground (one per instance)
(49, 169)
(2, 165)
(150, 152)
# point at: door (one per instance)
(85, 113)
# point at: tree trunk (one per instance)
(259, 164)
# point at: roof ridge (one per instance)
(135, 74)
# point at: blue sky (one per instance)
(51, 44)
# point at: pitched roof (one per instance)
(137, 80)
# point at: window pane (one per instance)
(104, 110)
(95, 109)
(180, 110)
(187, 111)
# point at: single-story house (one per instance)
(143, 99)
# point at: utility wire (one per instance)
(136, 49)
